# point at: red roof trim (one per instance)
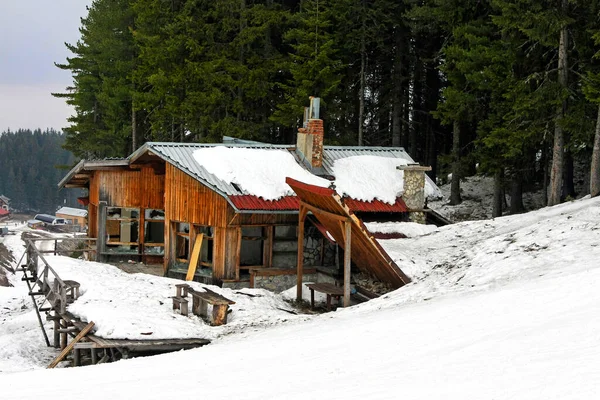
(375, 205)
(310, 188)
(291, 203)
(248, 202)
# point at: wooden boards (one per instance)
(366, 253)
(70, 346)
(195, 257)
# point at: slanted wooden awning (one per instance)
(329, 209)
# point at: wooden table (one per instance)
(329, 289)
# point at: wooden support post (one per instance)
(199, 307)
(268, 247)
(301, 217)
(76, 357)
(56, 340)
(238, 253)
(219, 314)
(63, 335)
(347, 261)
(101, 240)
(94, 356)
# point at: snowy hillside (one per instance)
(500, 309)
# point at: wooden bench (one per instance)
(200, 302)
(181, 304)
(220, 305)
(72, 290)
(329, 289)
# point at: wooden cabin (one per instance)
(161, 204)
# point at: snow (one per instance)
(369, 177)
(408, 229)
(262, 173)
(499, 309)
(253, 170)
(477, 193)
(78, 212)
(139, 306)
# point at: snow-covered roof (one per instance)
(76, 212)
(259, 169)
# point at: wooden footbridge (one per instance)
(75, 338)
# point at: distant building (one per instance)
(4, 203)
(75, 216)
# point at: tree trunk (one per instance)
(134, 142)
(363, 61)
(516, 195)
(498, 194)
(417, 116)
(556, 173)
(455, 198)
(398, 88)
(595, 167)
(568, 178)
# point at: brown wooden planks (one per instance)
(69, 347)
(194, 258)
(366, 253)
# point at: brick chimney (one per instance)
(310, 136)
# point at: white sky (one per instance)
(32, 37)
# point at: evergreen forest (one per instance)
(33, 162)
(509, 89)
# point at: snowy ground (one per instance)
(477, 193)
(500, 309)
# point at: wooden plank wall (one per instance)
(92, 220)
(128, 188)
(139, 188)
(187, 200)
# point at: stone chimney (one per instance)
(414, 191)
(310, 136)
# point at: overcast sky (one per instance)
(32, 37)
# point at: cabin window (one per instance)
(205, 261)
(182, 242)
(154, 232)
(122, 229)
(251, 252)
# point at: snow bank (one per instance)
(257, 172)
(503, 309)
(139, 306)
(408, 229)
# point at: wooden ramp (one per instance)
(366, 253)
